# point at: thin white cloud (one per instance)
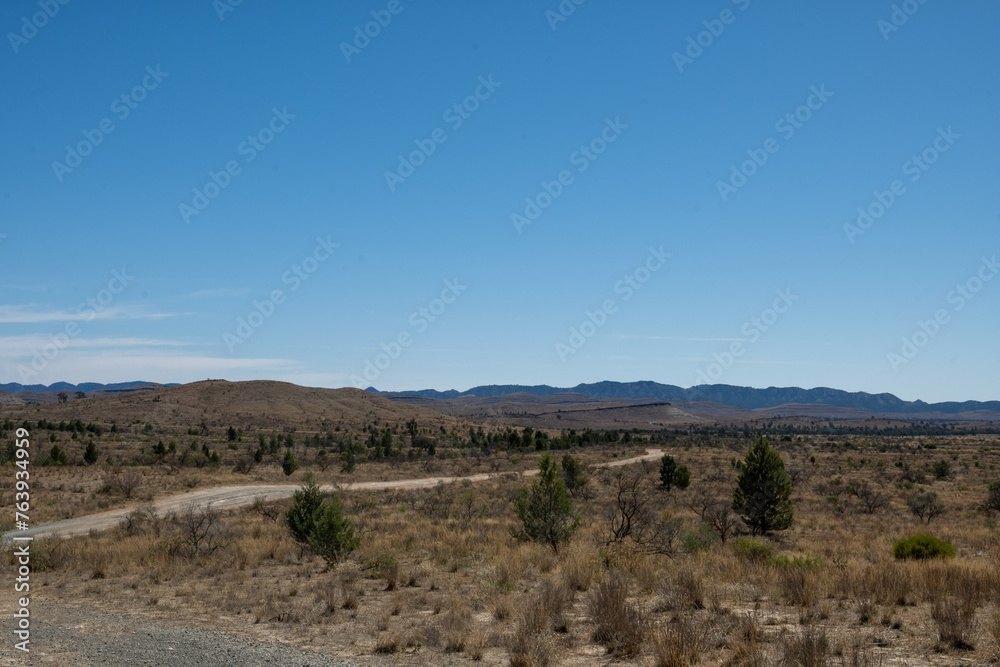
(221, 292)
(35, 314)
(18, 346)
(149, 364)
(678, 338)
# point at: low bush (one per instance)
(922, 546)
(753, 549)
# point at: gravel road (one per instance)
(229, 497)
(63, 635)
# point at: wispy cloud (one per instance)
(17, 346)
(692, 339)
(220, 292)
(34, 314)
(150, 364)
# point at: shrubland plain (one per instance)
(758, 544)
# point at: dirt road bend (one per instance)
(230, 497)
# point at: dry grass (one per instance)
(619, 623)
(459, 590)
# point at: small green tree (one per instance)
(682, 478)
(320, 524)
(672, 475)
(57, 456)
(942, 469)
(288, 464)
(545, 511)
(347, 461)
(90, 454)
(305, 502)
(332, 535)
(571, 474)
(763, 494)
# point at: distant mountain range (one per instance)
(744, 397)
(795, 399)
(14, 393)
(16, 388)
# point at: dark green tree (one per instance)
(672, 475)
(90, 454)
(763, 495)
(305, 502)
(545, 511)
(332, 535)
(347, 460)
(572, 474)
(57, 456)
(288, 464)
(320, 524)
(682, 477)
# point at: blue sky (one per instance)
(643, 140)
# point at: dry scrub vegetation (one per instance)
(438, 578)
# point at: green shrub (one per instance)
(700, 540)
(923, 546)
(753, 549)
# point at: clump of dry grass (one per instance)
(619, 624)
(679, 643)
(452, 632)
(526, 650)
(748, 650)
(992, 627)
(798, 586)
(805, 649)
(957, 593)
(684, 590)
(858, 654)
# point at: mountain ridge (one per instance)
(745, 397)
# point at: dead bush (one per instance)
(124, 482)
(202, 530)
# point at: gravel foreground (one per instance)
(84, 638)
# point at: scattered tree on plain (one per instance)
(763, 495)
(545, 511)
